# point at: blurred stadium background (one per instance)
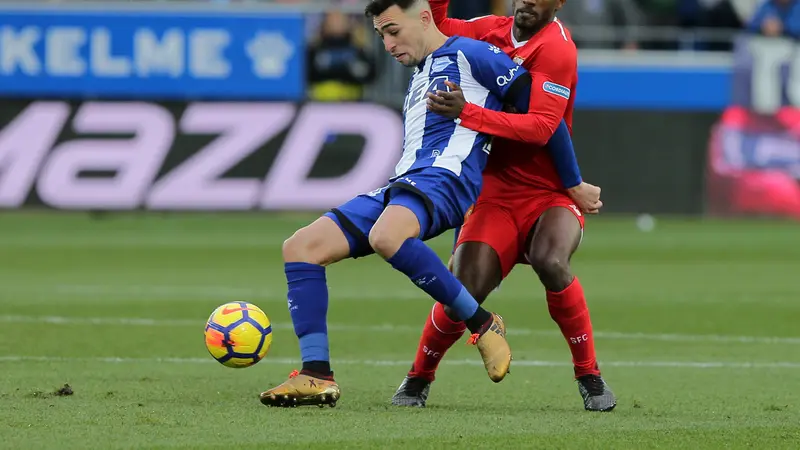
(155, 154)
(684, 106)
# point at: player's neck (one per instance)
(435, 42)
(524, 35)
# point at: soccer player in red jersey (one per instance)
(526, 212)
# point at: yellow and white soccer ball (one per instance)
(238, 334)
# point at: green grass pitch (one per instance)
(697, 327)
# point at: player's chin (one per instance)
(406, 60)
(526, 20)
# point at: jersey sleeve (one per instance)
(473, 28)
(552, 72)
(495, 71)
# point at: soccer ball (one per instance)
(238, 334)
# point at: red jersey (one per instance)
(518, 155)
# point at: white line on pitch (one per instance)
(391, 328)
(139, 241)
(456, 362)
(246, 241)
(197, 292)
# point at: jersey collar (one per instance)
(514, 41)
(518, 44)
(446, 44)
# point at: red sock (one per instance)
(568, 309)
(440, 333)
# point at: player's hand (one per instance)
(448, 104)
(586, 197)
(772, 26)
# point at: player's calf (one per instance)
(438, 335)
(555, 238)
(477, 266)
(395, 236)
(306, 254)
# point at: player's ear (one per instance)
(426, 18)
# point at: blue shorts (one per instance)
(437, 197)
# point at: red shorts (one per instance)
(505, 223)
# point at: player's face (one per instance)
(532, 14)
(402, 34)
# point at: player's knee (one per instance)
(550, 265)
(396, 225)
(385, 241)
(303, 246)
(296, 248)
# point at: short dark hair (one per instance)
(377, 7)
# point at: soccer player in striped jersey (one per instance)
(532, 206)
(438, 177)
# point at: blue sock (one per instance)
(424, 267)
(308, 306)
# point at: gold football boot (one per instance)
(300, 390)
(494, 348)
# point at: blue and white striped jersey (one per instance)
(485, 75)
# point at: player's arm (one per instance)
(473, 28)
(550, 77)
(542, 96)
